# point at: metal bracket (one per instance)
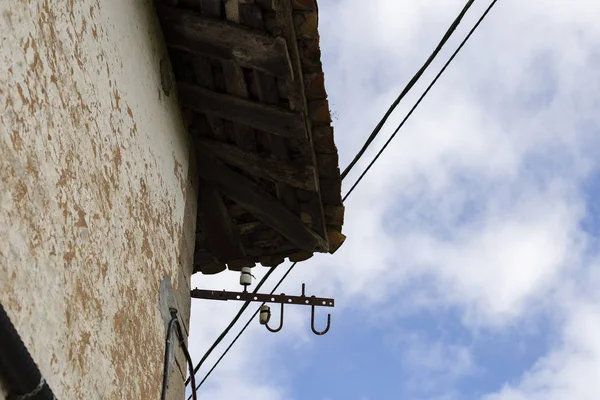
(282, 299)
(263, 297)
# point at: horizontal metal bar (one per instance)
(262, 297)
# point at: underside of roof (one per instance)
(252, 92)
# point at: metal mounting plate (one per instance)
(262, 297)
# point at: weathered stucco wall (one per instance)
(96, 203)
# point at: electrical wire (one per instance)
(167, 359)
(187, 355)
(353, 186)
(18, 371)
(174, 323)
(420, 99)
(245, 326)
(407, 88)
(226, 331)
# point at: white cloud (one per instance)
(477, 203)
(492, 268)
(571, 371)
(516, 248)
(428, 362)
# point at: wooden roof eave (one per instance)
(231, 169)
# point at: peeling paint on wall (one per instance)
(95, 197)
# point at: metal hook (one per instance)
(312, 322)
(280, 323)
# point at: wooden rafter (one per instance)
(235, 84)
(221, 235)
(253, 96)
(303, 177)
(268, 93)
(283, 13)
(186, 30)
(260, 116)
(266, 208)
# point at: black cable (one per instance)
(168, 347)
(245, 326)
(20, 373)
(231, 324)
(187, 355)
(408, 87)
(174, 322)
(419, 101)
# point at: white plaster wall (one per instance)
(93, 186)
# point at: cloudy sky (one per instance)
(472, 266)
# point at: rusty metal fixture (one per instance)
(262, 297)
(312, 322)
(18, 370)
(265, 311)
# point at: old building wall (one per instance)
(96, 202)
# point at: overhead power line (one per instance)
(245, 327)
(407, 88)
(243, 308)
(231, 324)
(362, 175)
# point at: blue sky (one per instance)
(471, 266)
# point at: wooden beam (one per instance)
(205, 78)
(264, 207)
(191, 32)
(235, 83)
(303, 177)
(297, 98)
(221, 236)
(281, 25)
(268, 93)
(260, 116)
